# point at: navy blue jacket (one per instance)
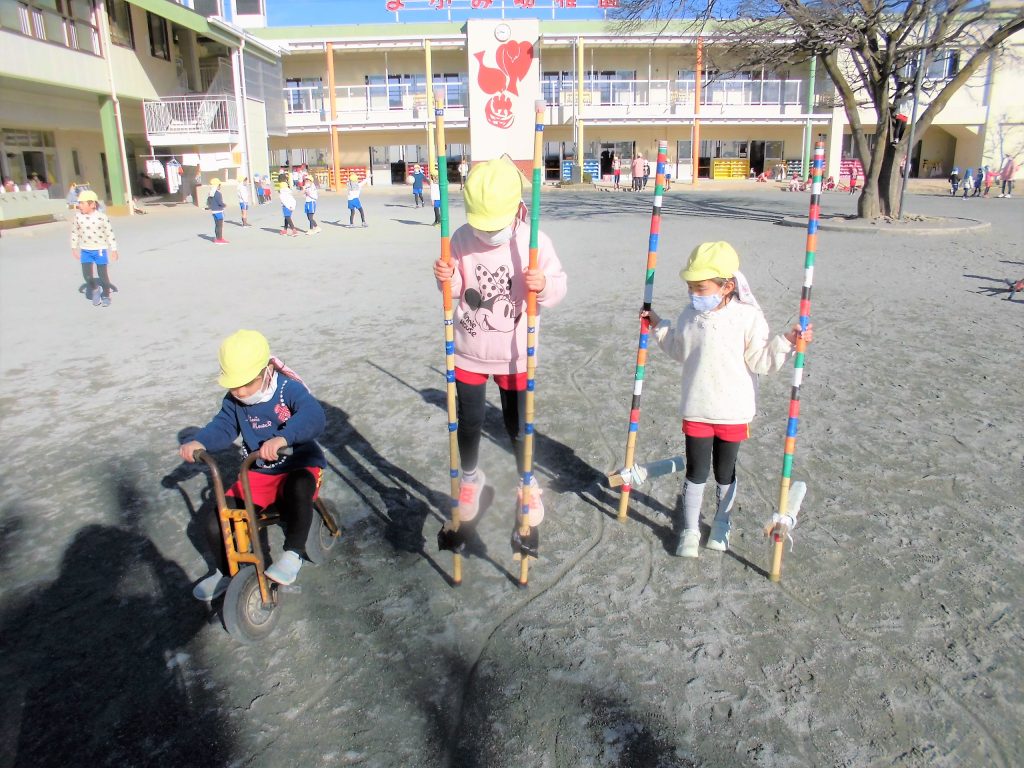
(217, 201)
(292, 413)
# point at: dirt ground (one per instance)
(891, 641)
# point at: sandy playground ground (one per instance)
(892, 640)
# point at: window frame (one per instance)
(113, 6)
(165, 36)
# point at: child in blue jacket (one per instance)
(269, 406)
(215, 202)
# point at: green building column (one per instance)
(112, 150)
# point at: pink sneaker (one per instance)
(536, 504)
(469, 496)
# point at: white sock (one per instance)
(693, 497)
(726, 497)
(469, 477)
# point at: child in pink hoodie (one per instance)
(490, 279)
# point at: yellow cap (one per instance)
(87, 195)
(353, 177)
(492, 194)
(242, 356)
(708, 260)
(214, 182)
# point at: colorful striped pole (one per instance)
(778, 532)
(523, 517)
(449, 330)
(641, 351)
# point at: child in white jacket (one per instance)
(287, 208)
(723, 342)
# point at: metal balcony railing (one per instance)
(597, 93)
(190, 115)
(305, 99)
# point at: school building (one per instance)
(107, 90)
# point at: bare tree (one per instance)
(870, 49)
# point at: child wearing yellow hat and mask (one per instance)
(490, 279)
(723, 342)
(269, 406)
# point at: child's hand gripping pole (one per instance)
(525, 539)
(779, 528)
(641, 351)
(448, 537)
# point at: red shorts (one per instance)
(265, 488)
(515, 382)
(730, 433)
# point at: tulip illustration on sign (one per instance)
(513, 60)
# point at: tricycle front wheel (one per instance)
(244, 614)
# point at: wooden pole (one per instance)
(641, 351)
(332, 100)
(697, 77)
(778, 532)
(449, 340)
(523, 518)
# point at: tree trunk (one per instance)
(881, 197)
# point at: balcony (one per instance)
(621, 100)
(371, 107)
(403, 106)
(185, 120)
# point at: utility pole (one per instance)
(922, 60)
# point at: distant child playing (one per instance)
(355, 188)
(435, 199)
(93, 242)
(215, 202)
(284, 193)
(244, 200)
(418, 177)
(490, 280)
(722, 340)
(270, 408)
(312, 196)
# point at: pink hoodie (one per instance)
(490, 290)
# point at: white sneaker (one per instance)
(285, 569)
(1008, 197)
(469, 495)
(536, 514)
(212, 587)
(689, 544)
(718, 539)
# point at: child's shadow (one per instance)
(564, 470)
(396, 498)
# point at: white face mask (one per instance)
(263, 394)
(494, 239)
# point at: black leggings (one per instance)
(91, 282)
(218, 228)
(701, 451)
(352, 215)
(294, 504)
(312, 221)
(471, 406)
(417, 198)
(288, 224)
(1008, 187)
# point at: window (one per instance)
(159, 42)
(120, 15)
(208, 7)
(945, 64)
(68, 23)
(249, 7)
